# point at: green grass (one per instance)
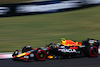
(12, 1)
(38, 30)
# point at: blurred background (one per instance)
(19, 1)
(38, 30)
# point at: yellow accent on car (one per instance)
(63, 42)
(21, 54)
(50, 57)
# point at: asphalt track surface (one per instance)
(73, 62)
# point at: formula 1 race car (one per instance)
(29, 54)
(69, 49)
(65, 49)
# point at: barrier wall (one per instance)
(42, 7)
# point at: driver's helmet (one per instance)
(63, 39)
(28, 46)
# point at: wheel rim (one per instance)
(93, 51)
(41, 55)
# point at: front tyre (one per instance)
(40, 55)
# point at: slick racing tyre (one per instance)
(27, 48)
(93, 51)
(40, 55)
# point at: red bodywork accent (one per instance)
(31, 48)
(14, 56)
(48, 48)
(71, 43)
(35, 49)
(24, 59)
(73, 47)
(80, 43)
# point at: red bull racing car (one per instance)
(64, 49)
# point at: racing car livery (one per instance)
(29, 54)
(64, 49)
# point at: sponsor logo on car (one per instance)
(67, 50)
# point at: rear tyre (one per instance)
(92, 51)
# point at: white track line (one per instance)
(5, 56)
(99, 51)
